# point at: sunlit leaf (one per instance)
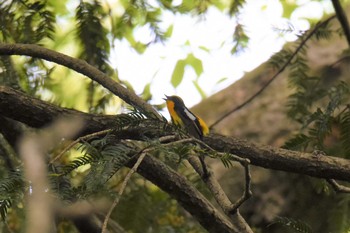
(146, 93)
(199, 89)
(221, 80)
(288, 8)
(204, 48)
(178, 73)
(195, 63)
(169, 31)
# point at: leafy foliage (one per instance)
(25, 21)
(92, 34)
(323, 122)
(320, 105)
(11, 191)
(339, 219)
(180, 66)
(294, 225)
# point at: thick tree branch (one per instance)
(37, 113)
(192, 200)
(328, 167)
(33, 112)
(79, 66)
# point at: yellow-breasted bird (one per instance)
(183, 117)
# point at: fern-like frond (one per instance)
(5, 204)
(132, 119)
(280, 58)
(12, 183)
(226, 160)
(11, 190)
(298, 142)
(236, 6)
(92, 34)
(324, 32)
(294, 225)
(90, 155)
(345, 131)
(26, 21)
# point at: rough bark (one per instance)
(37, 112)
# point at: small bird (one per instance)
(183, 117)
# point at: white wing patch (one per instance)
(190, 115)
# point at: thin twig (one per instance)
(212, 184)
(342, 19)
(247, 191)
(80, 139)
(338, 187)
(167, 138)
(206, 146)
(301, 45)
(122, 188)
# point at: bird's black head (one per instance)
(177, 100)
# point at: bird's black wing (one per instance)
(191, 122)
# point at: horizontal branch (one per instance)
(322, 166)
(37, 113)
(79, 66)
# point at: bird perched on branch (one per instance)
(183, 117)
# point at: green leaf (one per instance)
(221, 80)
(178, 73)
(146, 93)
(195, 63)
(199, 89)
(288, 8)
(169, 31)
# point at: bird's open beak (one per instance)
(166, 98)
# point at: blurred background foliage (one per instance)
(89, 30)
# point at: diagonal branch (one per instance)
(190, 198)
(342, 19)
(338, 187)
(285, 65)
(79, 66)
(229, 208)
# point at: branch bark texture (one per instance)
(328, 167)
(37, 113)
